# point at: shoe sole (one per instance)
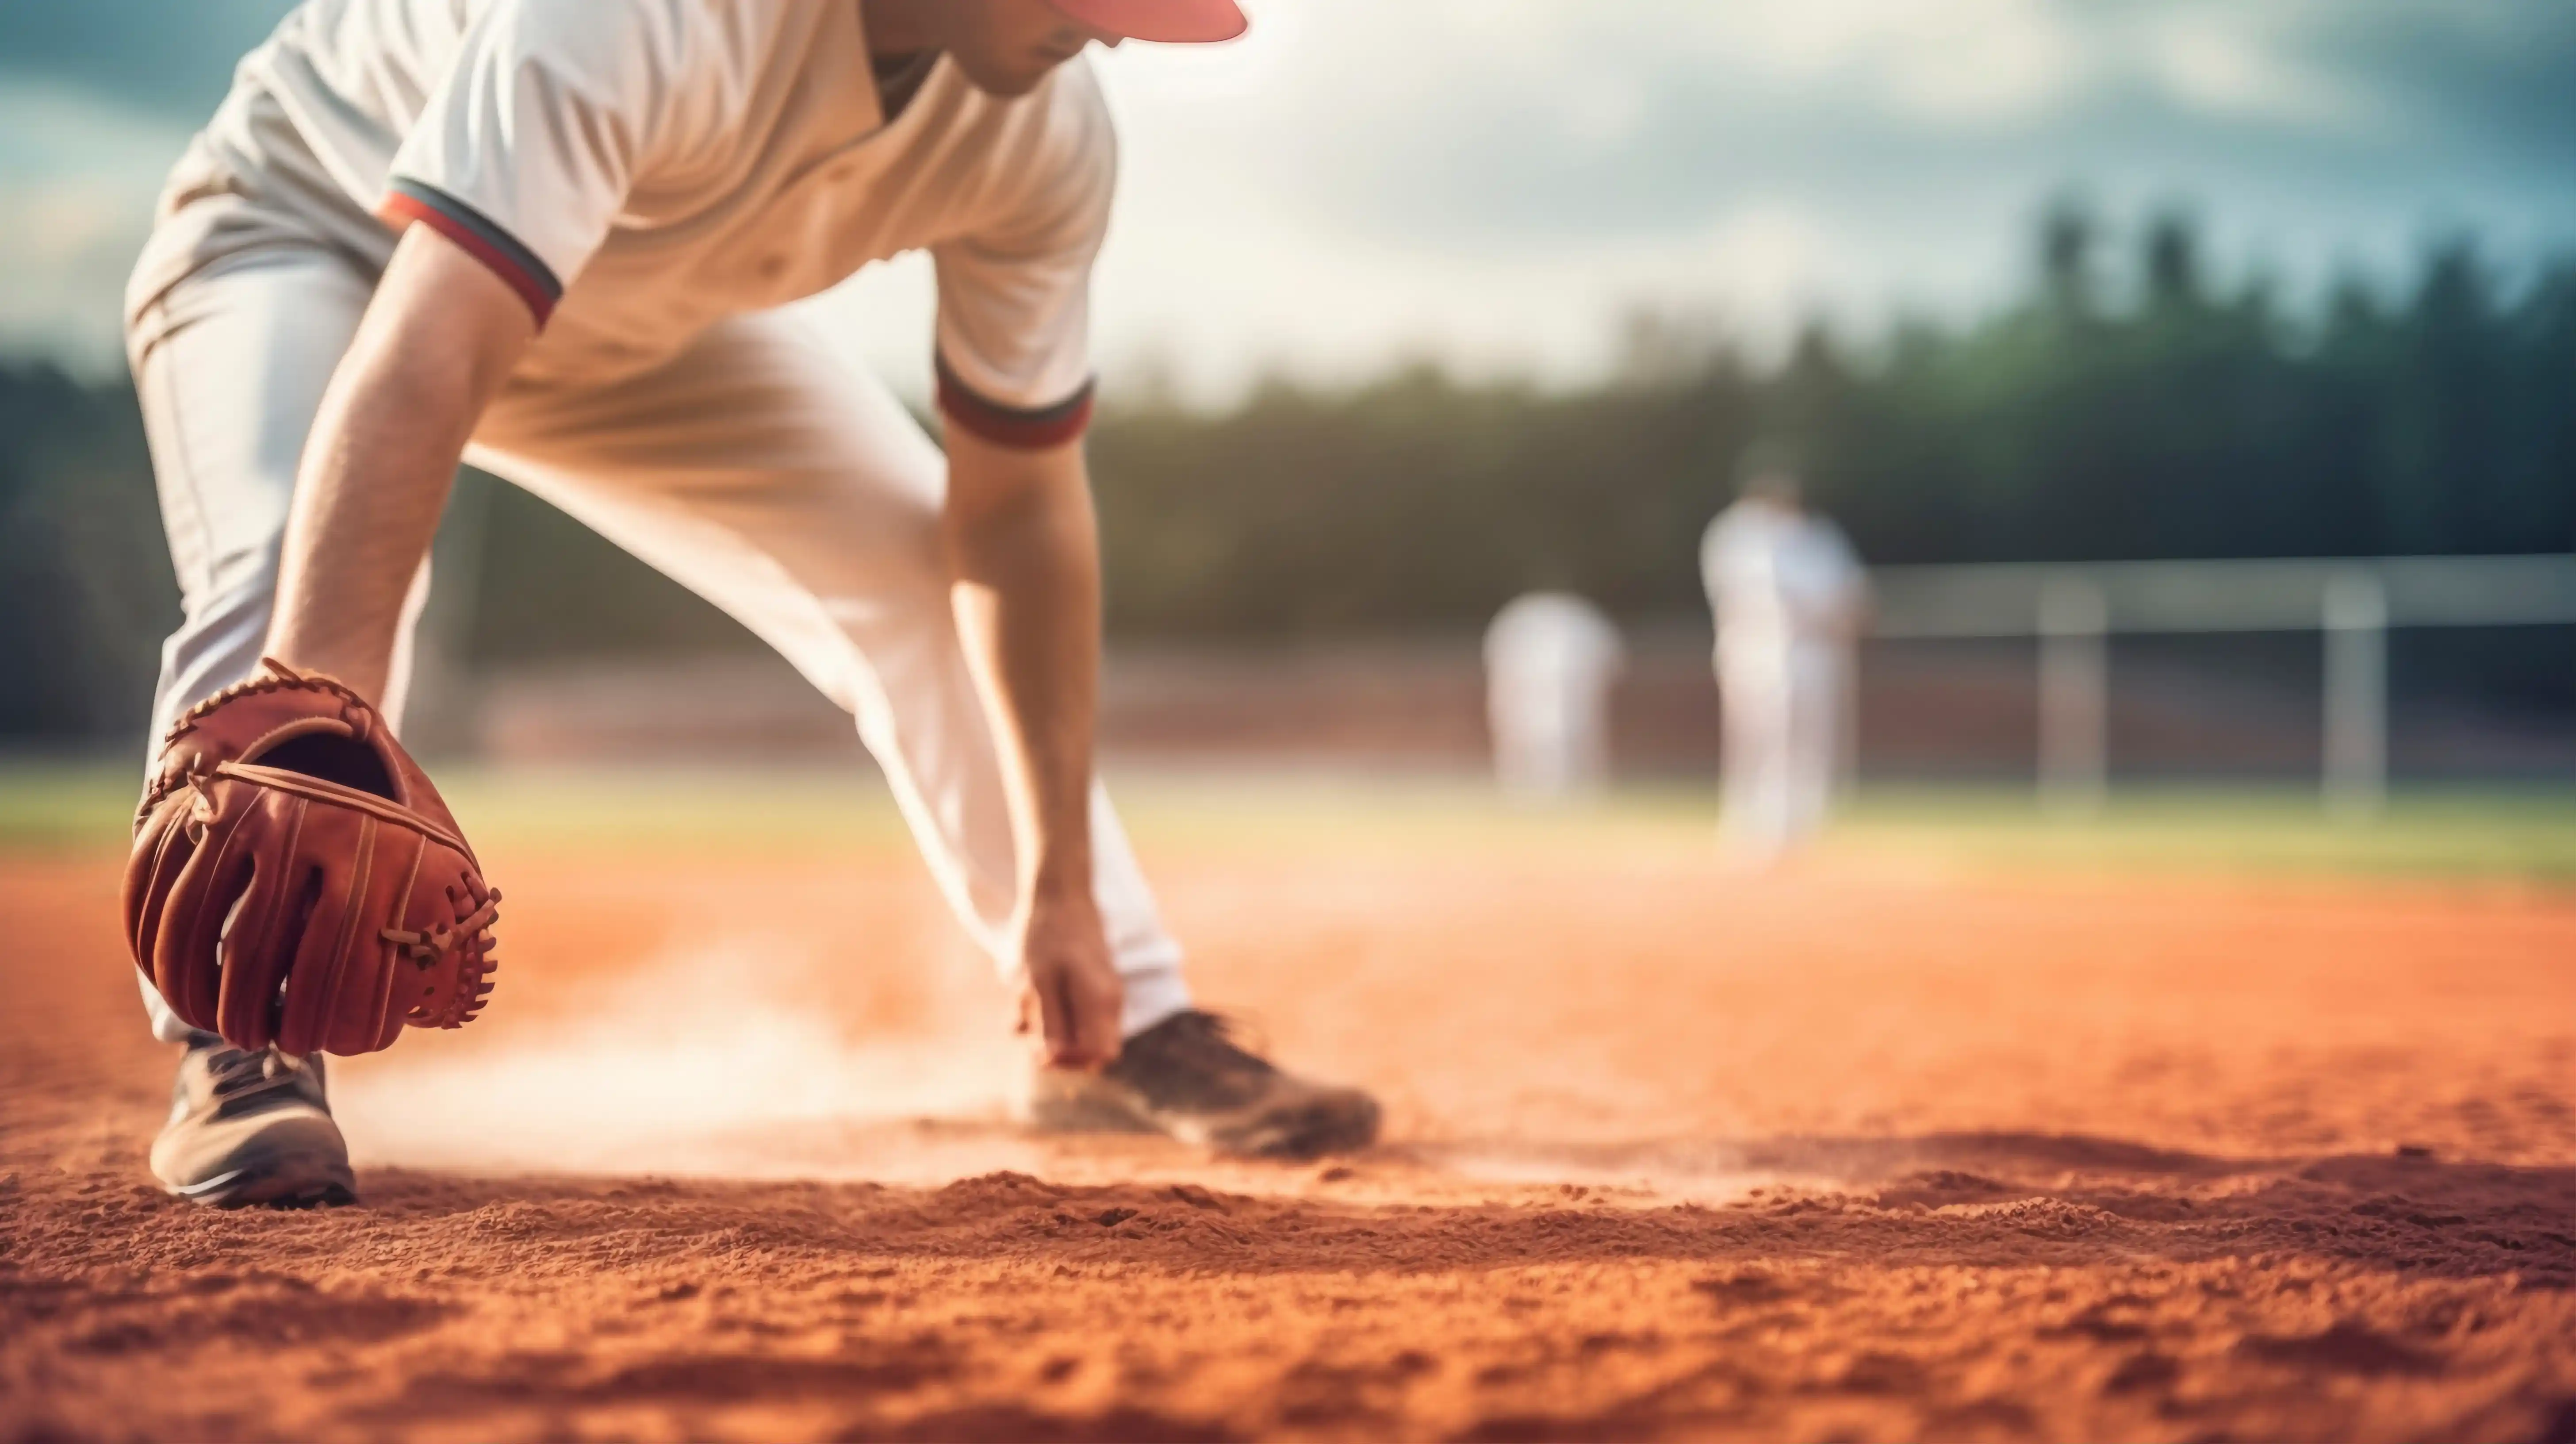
(293, 1180)
(1319, 1128)
(1326, 1125)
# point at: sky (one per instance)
(1500, 184)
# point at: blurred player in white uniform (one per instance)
(1550, 660)
(1790, 598)
(550, 237)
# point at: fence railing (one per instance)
(2071, 610)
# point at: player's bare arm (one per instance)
(1025, 553)
(438, 340)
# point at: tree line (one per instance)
(2126, 405)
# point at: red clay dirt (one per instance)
(1855, 1154)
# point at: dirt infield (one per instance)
(1866, 1153)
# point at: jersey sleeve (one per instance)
(537, 131)
(1851, 575)
(1014, 335)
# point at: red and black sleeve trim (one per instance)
(1012, 426)
(518, 267)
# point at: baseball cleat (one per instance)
(251, 1128)
(1187, 1076)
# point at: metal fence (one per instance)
(2070, 611)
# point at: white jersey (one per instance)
(1779, 577)
(638, 170)
(1547, 646)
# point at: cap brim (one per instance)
(1167, 22)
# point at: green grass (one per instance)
(60, 806)
(2526, 833)
(71, 806)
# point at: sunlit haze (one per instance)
(1497, 183)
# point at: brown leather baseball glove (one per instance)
(296, 880)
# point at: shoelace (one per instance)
(240, 1077)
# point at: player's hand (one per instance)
(1070, 993)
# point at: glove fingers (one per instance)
(321, 953)
(266, 926)
(372, 1014)
(151, 874)
(187, 938)
(342, 973)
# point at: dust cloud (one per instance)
(730, 1057)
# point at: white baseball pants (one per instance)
(1782, 700)
(756, 469)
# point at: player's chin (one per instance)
(1009, 78)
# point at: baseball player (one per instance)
(1550, 661)
(550, 237)
(1789, 598)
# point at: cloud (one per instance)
(2207, 68)
(1542, 123)
(1496, 180)
(77, 179)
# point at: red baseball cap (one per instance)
(1175, 22)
